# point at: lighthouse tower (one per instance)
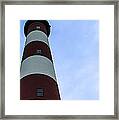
(37, 74)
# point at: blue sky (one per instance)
(75, 50)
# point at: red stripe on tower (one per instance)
(37, 74)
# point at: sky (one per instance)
(74, 46)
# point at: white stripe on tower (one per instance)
(37, 35)
(37, 64)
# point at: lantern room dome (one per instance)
(29, 22)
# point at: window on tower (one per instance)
(38, 27)
(38, 51)
(39, 92)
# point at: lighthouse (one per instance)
(37, 74)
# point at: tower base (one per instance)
(38, 87)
